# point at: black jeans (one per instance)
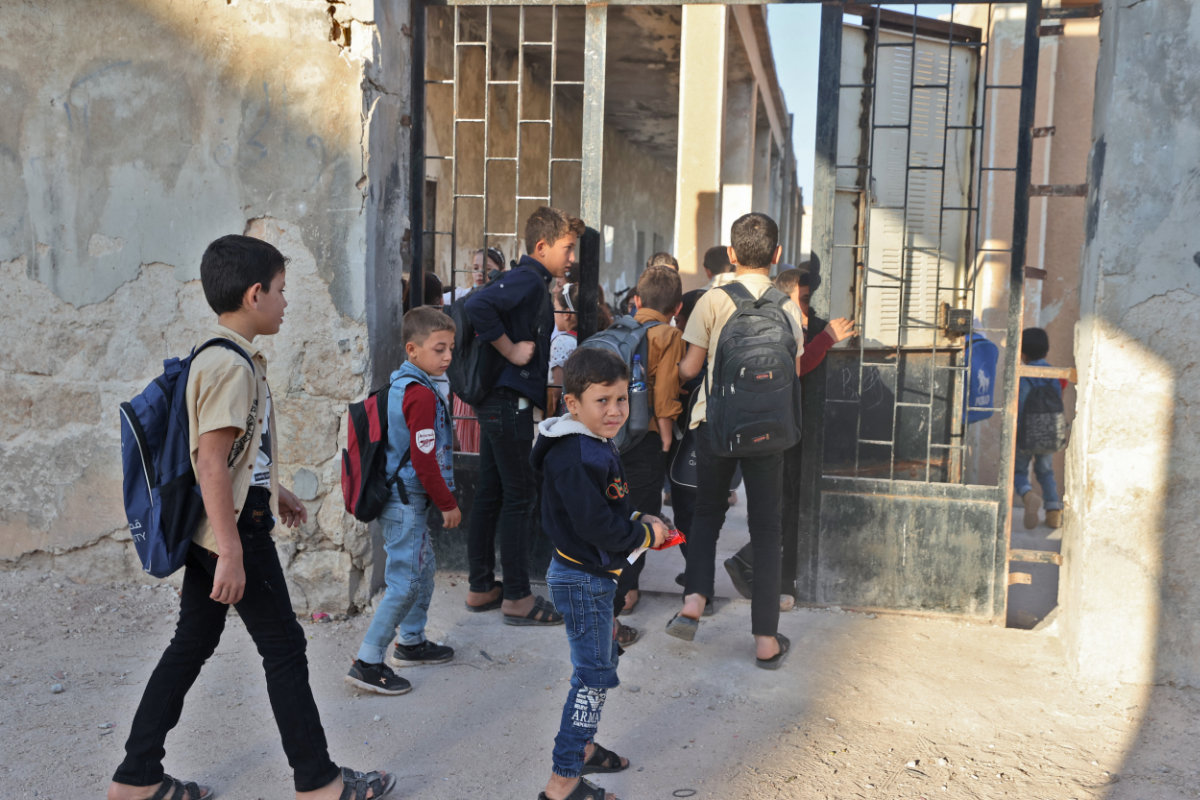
(504, 495)
(764, 488)
(266, 609)
(644, 468)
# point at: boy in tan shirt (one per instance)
(233, 560)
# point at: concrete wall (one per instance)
(1131, 602)
(127, 144)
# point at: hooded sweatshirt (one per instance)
(585, 505)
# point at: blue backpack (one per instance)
(162, 500)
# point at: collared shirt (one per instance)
(223, 391)
(720, 279)
(665, 350)
(709, 316)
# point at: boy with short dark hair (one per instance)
(755, 249)
(233, 560)
(717, 266)
(587, 515)
(659, 292)
(514, 314)
(420, 454)
(1035, 345)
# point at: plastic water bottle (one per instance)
(638, 379)
(639, 400)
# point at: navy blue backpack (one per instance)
(162, 500)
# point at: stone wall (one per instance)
(127, 144)
(1131, 602)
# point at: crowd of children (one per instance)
(599, 506)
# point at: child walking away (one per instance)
(232, 560)
(420, 454)
(1041, 432)
(659, 296)
(747, 415)
(586, 513)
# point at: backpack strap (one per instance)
(228, 344)
(737, 292)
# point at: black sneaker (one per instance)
(424, 653)
(376, 678)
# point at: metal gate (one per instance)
(881, 514)
(888, 517)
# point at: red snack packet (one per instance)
(673, 538)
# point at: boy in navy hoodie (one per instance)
(586, 513)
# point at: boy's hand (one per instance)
(452, 518)
(291, 511)
(521, 353)
(658, 528)
(841, 328)
(229, 581)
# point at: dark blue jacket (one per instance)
(585, 499)
(517, 304)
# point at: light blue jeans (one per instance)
(1043, 468)
(408, 577)
(586, 603)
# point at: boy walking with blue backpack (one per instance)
(232, 559)
(748, 414)
(420, 461)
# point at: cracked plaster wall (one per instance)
(1131, 604)
(127, 145)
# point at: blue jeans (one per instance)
(1043, 468)
(586, 603)
(408, 575)
(504, 496)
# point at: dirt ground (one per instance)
(866, 706)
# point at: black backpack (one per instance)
(476, 365)
(1042, 426)
(753, 405)
(627, 337)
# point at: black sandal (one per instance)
(603, 760)
(542, 613)
(355, 784)
(181, 790)
(584, 790)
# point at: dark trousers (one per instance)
(504, 496)
(790, 515)
(644, 470)
(266, 610)
(763, 477)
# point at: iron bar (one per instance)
(416, 160)
(592, 164)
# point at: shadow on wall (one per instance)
(135, 141)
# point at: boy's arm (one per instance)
(693, 362)
(484, 309)
(420, 414)
(595, 520)
(216, 490)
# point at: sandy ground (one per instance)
(867, 706)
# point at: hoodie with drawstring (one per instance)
(585, 505)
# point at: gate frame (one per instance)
(801, 566)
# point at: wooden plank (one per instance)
(1030, 371)
(1019, 577)
(1036, 557)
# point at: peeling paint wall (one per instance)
(127, 144)
(1131, 602)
